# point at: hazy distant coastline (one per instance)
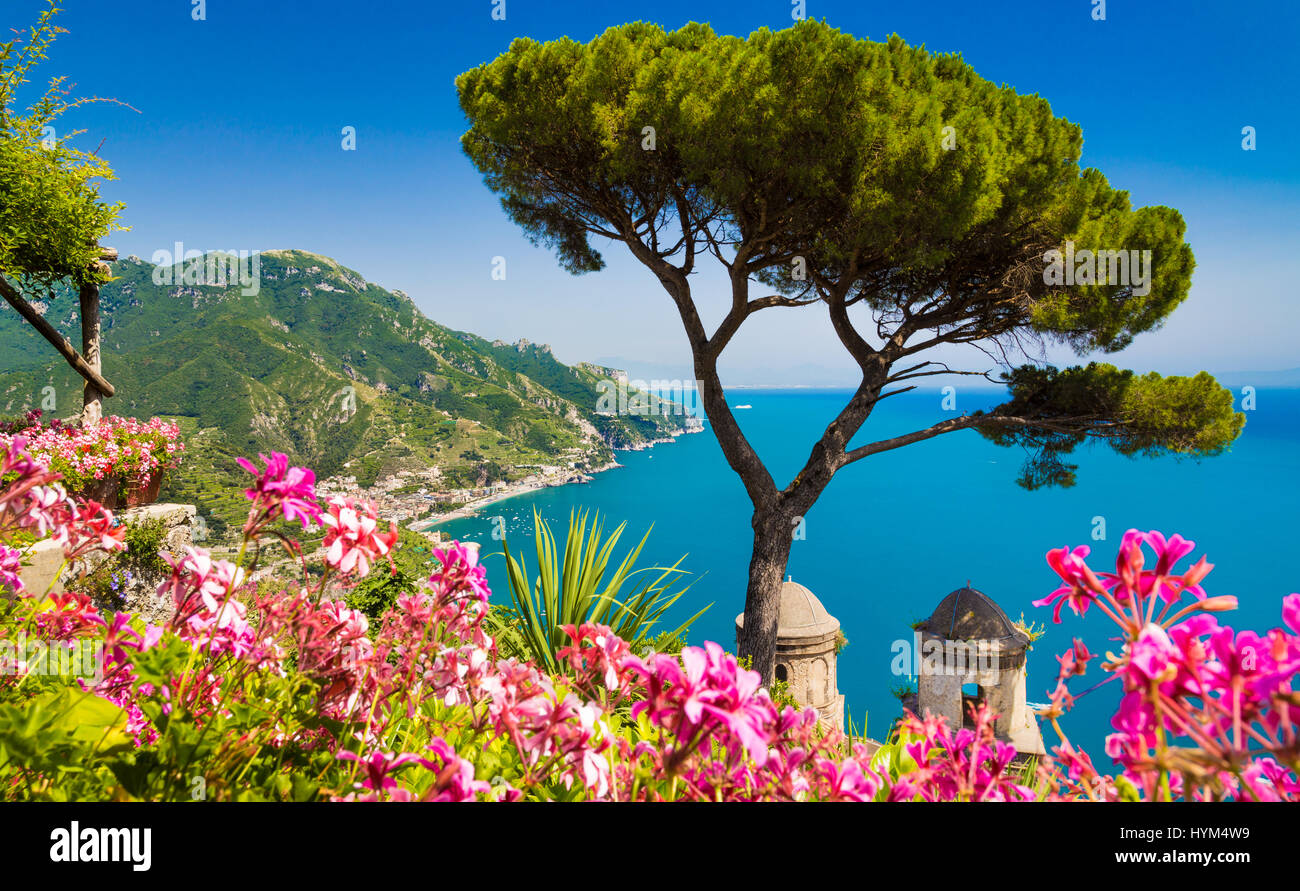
(532, 484)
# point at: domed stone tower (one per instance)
(971, 653)
(806, 638)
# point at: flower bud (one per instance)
(1197, 574)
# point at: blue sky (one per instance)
(237, 146)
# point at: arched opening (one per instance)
(817, 678)
(971, 696)
(781, 673)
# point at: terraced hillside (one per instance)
(333, 370)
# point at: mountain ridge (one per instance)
(335, 371)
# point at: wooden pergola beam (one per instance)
(88, 370)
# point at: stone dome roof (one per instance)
(967, 614)
(801, 614)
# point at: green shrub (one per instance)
(145, 542)
(107, 583)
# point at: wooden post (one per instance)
(92, 399)
(92, 408)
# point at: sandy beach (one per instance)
(530, 484)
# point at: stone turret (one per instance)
(971, 653)
(806, 640)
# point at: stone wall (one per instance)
(45, 559)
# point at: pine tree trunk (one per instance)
(767, 564)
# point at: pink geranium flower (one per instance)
(1081, 586)
(379, 766)
(90, 527)
(291, 491)
(1153, 656)
(459, 570)
(353, 540)
(455, 776)
(1291, 612)
(10, 567)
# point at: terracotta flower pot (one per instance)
(138, 495)
(107, 492)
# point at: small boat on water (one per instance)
(746, 405)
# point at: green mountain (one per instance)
(337, 372)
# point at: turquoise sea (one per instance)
(895, 533)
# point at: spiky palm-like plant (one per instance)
(576, 585)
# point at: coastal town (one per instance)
(420, 500)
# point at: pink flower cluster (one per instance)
(208, 613)
(281, 490)
(69, 616)
(353, 539)
(332, 648)
(10, 567)
(120, 684)
(121, 447)
(719, 737)
(436, 648)
(453, 776)
(35, 501)
(703, 698)
(1186, 678)
(72, 617)
(969, 765)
